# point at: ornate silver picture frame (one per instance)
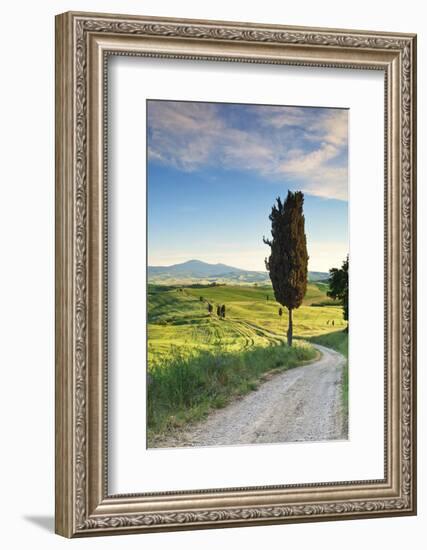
(84, 505)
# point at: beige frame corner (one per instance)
(83, 43)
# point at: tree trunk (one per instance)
(290, 327)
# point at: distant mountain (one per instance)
(197, 271)
(194, 268)
(318, 276)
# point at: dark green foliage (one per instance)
(218, 311)
(287, 264)
(210, 308)
(338, 286)
(280, 311)
(223, 311)
(203, 285)
(201, 298)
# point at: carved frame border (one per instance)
(83, 43)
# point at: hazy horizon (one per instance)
(214, 172)
(217, 263)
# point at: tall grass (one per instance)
(188, 387)
(338, 341)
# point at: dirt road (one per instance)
(301, 404)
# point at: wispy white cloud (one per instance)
(317, 169)
(305, 145)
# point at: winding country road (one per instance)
(301, 404)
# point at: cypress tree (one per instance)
(223, 311)
(287, 263)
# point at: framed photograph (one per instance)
(235, 274)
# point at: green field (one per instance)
(179, 322)
(198, 361)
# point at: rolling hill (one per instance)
(198, 360)
(179, 322)
(194, 271)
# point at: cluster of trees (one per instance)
(338, 286)
(220, 310)
(205, 285)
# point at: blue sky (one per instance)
(214, 171)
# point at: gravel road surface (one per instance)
(301, 404)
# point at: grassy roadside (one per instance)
(339, 342)
(188, 388)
